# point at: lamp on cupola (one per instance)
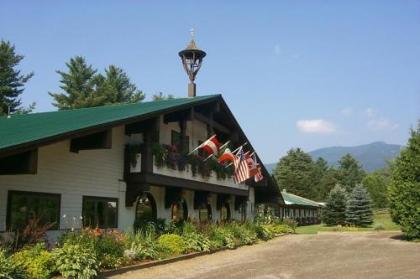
(192, 57)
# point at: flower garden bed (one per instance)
(92, 252)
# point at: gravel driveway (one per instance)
(325, 255)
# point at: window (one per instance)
(100, 212)
(179, 211)
(176, 141)
(204, 213)
(23, 206)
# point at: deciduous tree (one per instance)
(295, 172)
(377, 184)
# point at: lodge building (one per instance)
(104, 166)
(304, 211)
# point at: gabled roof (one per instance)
(19, 130)
(23, 132)
(290, 199)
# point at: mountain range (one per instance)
(371, 156)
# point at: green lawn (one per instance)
(380, 217)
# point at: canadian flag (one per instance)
(210, 146)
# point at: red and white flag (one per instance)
(256, 172)
(241, 167)
(210, 146)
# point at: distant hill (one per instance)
(372, 156)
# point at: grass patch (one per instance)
(381, 219)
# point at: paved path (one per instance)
(326, 255)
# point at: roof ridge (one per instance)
(109, 105)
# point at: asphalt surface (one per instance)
(325, 255)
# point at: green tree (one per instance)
(160, 96)
(404, 190)
(327, 183)
(12, 82)
(335, 210)
(358, 208)
(377, 184)
(79, 85)
(350, 172)
(117, 87)
(84, 87)
(295, 172)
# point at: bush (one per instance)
(264, 232)
(379, 227)
(196, 242)
(277, 229)
(142, 246)
(172, 243)
(76, 261)
(109, 248)
(8, 269)
(291, 223)
(36, 261)
(404, 190)
(243, 234)
(221, 237)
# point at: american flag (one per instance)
(241, 167)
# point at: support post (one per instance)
(192, 89)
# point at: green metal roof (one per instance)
(23, 129)
(290, 199)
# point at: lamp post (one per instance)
(191, 58)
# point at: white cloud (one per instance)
(346, 111)
(320, 126)
(381, 124)
(378, 123)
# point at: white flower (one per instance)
(64, 215)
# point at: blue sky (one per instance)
(304, 74)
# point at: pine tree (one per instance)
(12, 82)
(160, 97)
(117, 87)
(84, 87)
(358, 209)
(404, 189)
(350, 172)
(79, 85)
(335, 210)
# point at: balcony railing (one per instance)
(168, 162)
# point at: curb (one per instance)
(124, 269)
